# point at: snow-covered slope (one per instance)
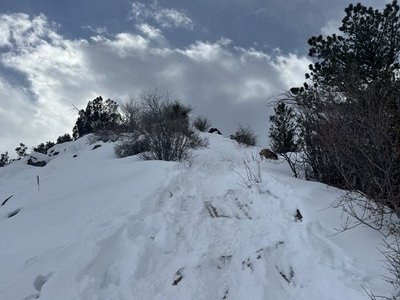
(107, 228)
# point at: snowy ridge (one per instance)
(108, 228)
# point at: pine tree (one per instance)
(283, 129)
(98, 115)
(365, 50)
(42, 148)
(21, 150)
(4, 159)
(353, 80)
(64, 138)
(350, 106)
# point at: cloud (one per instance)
(164, 17)
(207, 52)
(331, 27)
(97, 30)
(124, 44)
(18, 30)
(228, 84)
(14, 109)
(291, 68)
(151, 32)
(337, 13)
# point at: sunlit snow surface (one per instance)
(104, 228)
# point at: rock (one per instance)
(6, 200)
(298, 216)
(268, 154)
(13, 213)
(38, 159)
(214, 130)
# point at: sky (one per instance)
(228, 60)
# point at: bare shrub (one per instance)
(392, 258)
(130, 144)
(350, 114)
(356, 147)
(295, 162)
(131, 112)
(160, 129)
(358, 143)
(244, 135)
(392, 255)
(202, 124)
(252, 174)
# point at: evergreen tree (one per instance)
(349, 107)
(21, 150)
(42, 148)
(283, 129)
(365, 51)
(4, 159)
(64, 138)
(98, 115)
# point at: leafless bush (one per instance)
(106, 135)
(129, 144)
(131, 114)
(353, 143)
(161, 129)
(202, 124)
(252, 174)
(244, 135)
(295, 162)
(392, 257)
(362, 210)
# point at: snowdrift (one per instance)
(223, 226)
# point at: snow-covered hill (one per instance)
(106, 228)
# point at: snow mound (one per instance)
(223, 226)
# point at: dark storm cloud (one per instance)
(263, 23)
(267, 24)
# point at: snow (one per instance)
(99, 227)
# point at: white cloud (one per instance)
(173, 18)
(97, 30)
(204, 51)
(125, 44)
(164, 17)
(150, 31)
(14, 109)
(291, 69)
(331, 27)
(227, 84)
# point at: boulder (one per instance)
(268, 154)
(214, 130)
(37, 159)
